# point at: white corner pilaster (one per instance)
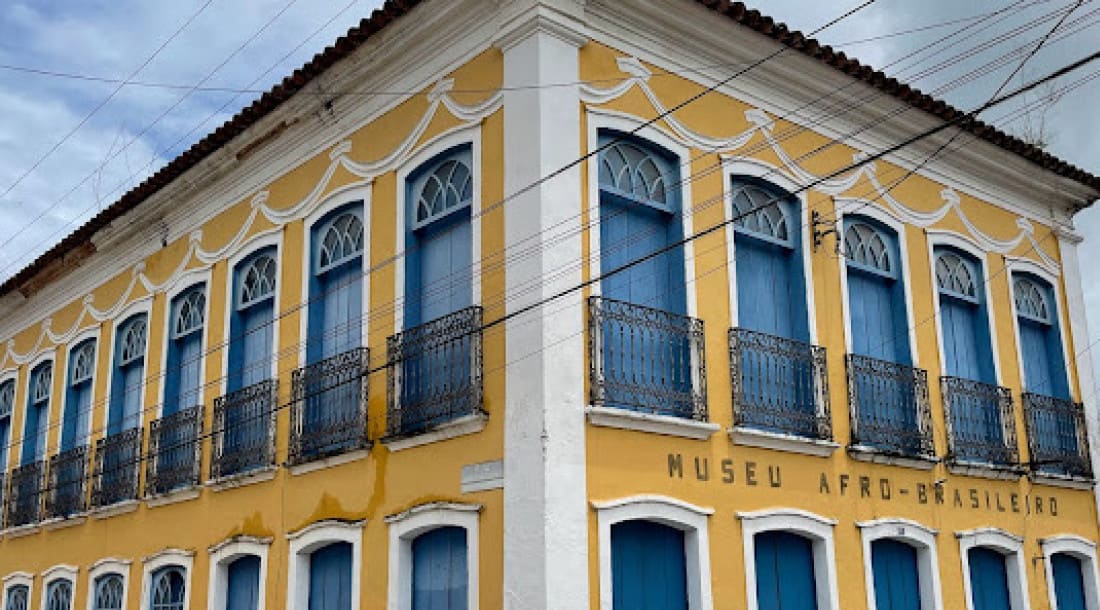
(545, 510)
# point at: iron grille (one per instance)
(329, 412)
(645, 359)
(889, 407)
(779, 385)
(67, 475)
(980, 423)
(174, 452)
(434, 373)
(117, 461)
(244, 430)
(25, 494)
(1057, 438)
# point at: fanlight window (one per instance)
(865, 245)
(7, 398)
(760, 211)
(17, 597)
(40, 389)
(258, 281)
(83, 363)
(341, 241)
(108, 593)
(190, 313)
(449, 187)
(133, 341)
(631, 170)
(1031, 302)
(168, 589)
(954, 275)
(59, 595)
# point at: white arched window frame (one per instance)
(8, 389)
(690, 519)
(921, 538)
(81, 369)
(224, 554)
(140, 307)
(17, 579)
(316, 536)
(1083, 550)
(1009, 545)
(167, 558)
(192, 280)
(817, 529)
(263, 241)
(406, 526)
(105, 568)
(54, 593)
(1023, 265)
(353, 195)
(469, 135)
(36, 385)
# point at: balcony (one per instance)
(1056, 436)
(174, 452)
(889, 408)
(981, 428)
(329, 413)
(780, 386)
(244, 430)
(117, 461)
(434, 373)
(67, 474)
(646, 360)
(25, 494)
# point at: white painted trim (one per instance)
(93, 334)
(329, 462)
(102, 568)
(1061, 480)
(55, 573)
(405, 527)
(1009, 545)
(872, 455)
(179, 285)
(272, 238)
(818, 529)
(225, 553)
(916, 535)
(467, 134)
(1016, 264)
(344, 196)
(610, 417)
(168, 557)
(1084, 551)
(14, 580)
(305, 541)
(462, 426)
(690, 519)
(790, 443)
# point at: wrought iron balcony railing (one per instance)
(117, 463)
(329, 412)
(981, 427)
(889, 407)
(647, 360)
(244, 430)
(434, 373)
(174, 452)
(779, 385)
(67, 475)
(25, 494)
(1057, 438)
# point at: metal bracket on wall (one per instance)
(822, 228)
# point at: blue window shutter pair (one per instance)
(440, 574)
(988, 579)
(78, 396)
(1069, 582)
(5, 434)
(648, 567)
(785, 577)
(336, 284)
(169, 589)
(251, 331)
(38, 410)
(184, 374)
(124, 410)
(896, 576)
(330, 577)
(243, 587)
(1040, 338)
(7, 406)
(876, 292)
(964, 321)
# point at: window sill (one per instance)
(467, 424)
(329, 462)
(60, 523)
(112, 510)
(782, 442)
(243, 479)
(23, 530)
(863, 453)
(610, 417)
(1061, 480)
(985, 470)
(173, 497)
(483, 476)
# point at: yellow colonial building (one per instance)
(561, 304)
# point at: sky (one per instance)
(71, 146)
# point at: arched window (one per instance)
(257, 280)
(7, 399)
(59, 595)
(633, 170)
(762, 211)
(448, 187)
(133, 340)
(963, 319)
(440, 576)
(18, 598)
(1040, 337)
(341, 240)
(866, 245)
(336, 284)
(252, 321)
(330, 577)
(38, 414)
(127, 379)
(183, 375)
(648, 566)
(190, 312)
(78, 396)
(243, 583)
(168, 589)
(109, 590)
(955, 276)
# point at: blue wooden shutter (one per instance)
(183, 377)
(336, 289)
(897, 578)
(7, 405)
(330, 578)
(124, 411)
(1069, 582)
(988, 579)
(251, 324)
(785, 577)
(78, 396)
(648, 568)
(1040, 339)
(440, 575)
(132, 379)
(243, 591)
(967, 349)
(5, 433)
(38, 405)
(876, 294)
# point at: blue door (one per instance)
(1040, 341)
(785, 572)
(630, 231)
(243, 592)
(330, 578)
(124, 411)
(341, 306)
(897, 578)
(129, 413)
(1069, 582)
(962, 347)
(768, 299)
(648, 569)
(988, 579)
(439, 280)
(440, 576)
